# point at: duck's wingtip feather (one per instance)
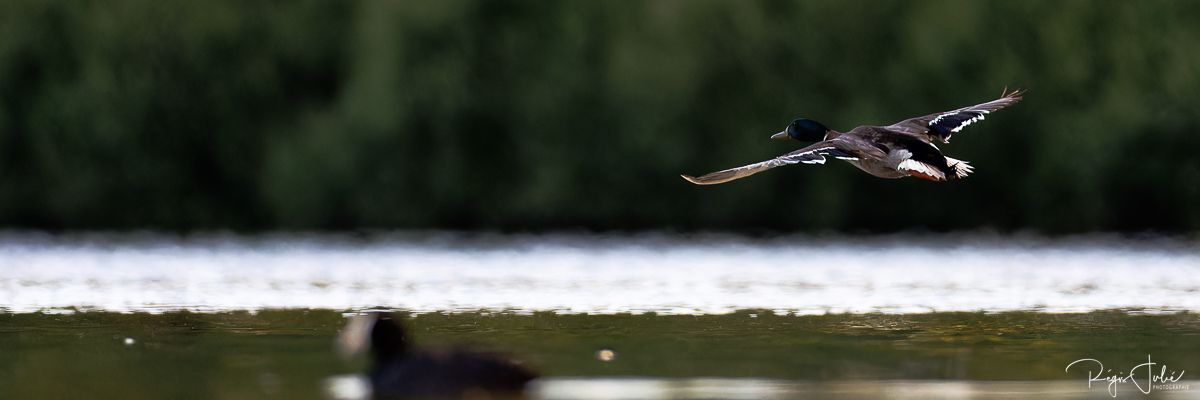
(703, 180)
(1015, 94)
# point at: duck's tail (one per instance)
(961, 168)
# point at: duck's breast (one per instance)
(880, 168)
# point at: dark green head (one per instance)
(804, 130)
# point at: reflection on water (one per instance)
(753, 389)
(289, 354)
(597, 274)
(355, 387)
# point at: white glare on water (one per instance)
(595, 274)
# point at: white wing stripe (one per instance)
(799, 157)
(980, 111)
(967, 122)
(939, 118)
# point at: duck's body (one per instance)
(894, 151)
(886, 153)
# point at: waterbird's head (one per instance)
(804, 130)
(379, 333)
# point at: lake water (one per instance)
(700, 316)
(597, 274)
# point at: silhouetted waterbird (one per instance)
(398, 370)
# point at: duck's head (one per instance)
(804, 130)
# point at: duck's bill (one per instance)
(780, 136)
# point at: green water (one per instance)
(288, 354)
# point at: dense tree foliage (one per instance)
(557, 115)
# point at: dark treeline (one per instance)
(516, 115)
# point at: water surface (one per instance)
(428, 272)
(746, 354)
(695, 316)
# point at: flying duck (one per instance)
(895, 151)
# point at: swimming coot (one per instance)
(398, 370)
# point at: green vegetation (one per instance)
(519, 115)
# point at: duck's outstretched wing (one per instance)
(941, 126)
(814, 154)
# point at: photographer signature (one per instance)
(1151, 380)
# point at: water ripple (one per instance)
(427, 272)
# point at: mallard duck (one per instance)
(895, 151)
